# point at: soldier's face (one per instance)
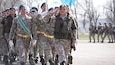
(63, 11)
(23, 10)
(12, 11)
(44, 8)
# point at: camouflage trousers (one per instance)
(63, 49)
(22, 48)
(40, 44)
(49, 49)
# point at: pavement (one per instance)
(92, 54)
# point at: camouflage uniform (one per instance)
(63, 41)
(41, 39)
(92, 32)
(100, 32)
(110, 33)
(22, 38)
(105, 32)
(49, 33)
(3, 43)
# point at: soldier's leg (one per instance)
(105, 34)
(21, 51)
(52, 44)
(48, 52)
(6, 49)
(89, 37)
(93, 35)
(41, 51)
(66, 45)
(98, 37)
(60, 51)
(109, 38)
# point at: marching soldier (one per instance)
(4, 40)
(110, 33)
(92, 32)
(37, 18)
(64, 31)
(24, 29)
(50, 42)
(100, 31)
(105, 31)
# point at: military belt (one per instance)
(49, 36)
(24, 36)
(40, 32)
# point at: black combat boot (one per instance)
(56, 60)
(42, 60)
(62, 63)
(5, 60)
(51, 62)
(11, 57)
(70, 58)
(36, 60)
(31, 59)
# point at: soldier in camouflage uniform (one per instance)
(22, 38)
(100, 32)
(92, 32)
(40, 36)
(64, 31)
(105, 32)
(4, 46)
(110, 33)
(50, 41)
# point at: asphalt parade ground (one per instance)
(92, 54)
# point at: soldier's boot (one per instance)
(56, 60)
(62, 63)
(102, 41)
(5, 60)
(36, 60)
(42, 60)
(31, 59)
(22, 63)
(70, 59)
(51, 62)
(94, 41)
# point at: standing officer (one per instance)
(22, 38)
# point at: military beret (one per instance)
(21, 6)
(35, 8)
(43, 4)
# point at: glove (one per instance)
(11, 43)
(34, 42)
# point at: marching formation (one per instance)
(102, 31)
(51, 34)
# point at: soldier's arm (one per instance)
(13, 29)
(50, 15)
(34, 29)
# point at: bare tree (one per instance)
(110, 11)
(90, 12)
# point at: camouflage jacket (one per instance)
(50, 20)
(17, 28)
